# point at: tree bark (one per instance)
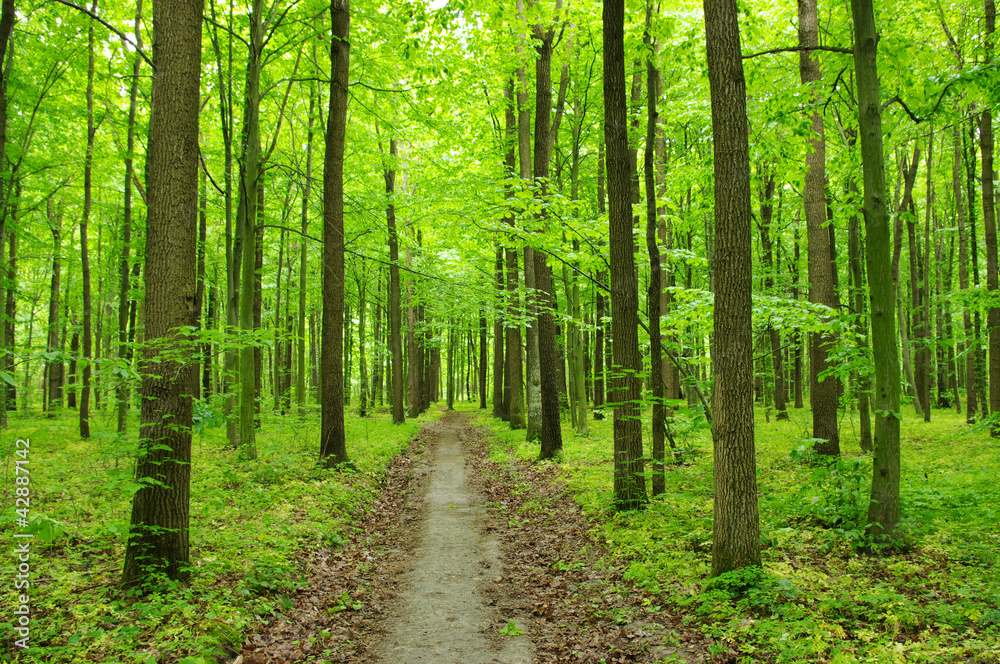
(824, 392)
(629, 477)
(498, 338)
(736, 528)
(513, 384)
(989, 222)
(333, 445)
(84, 253)
(300, 341)
(159, 531)
(883, 510)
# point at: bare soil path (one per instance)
(443, 617)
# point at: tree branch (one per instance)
(121, 35)
(797, 49)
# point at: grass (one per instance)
(817, 599)
(248, 520)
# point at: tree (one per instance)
(883, 510)
(395, 336)
(629, 480)
(333, 444)
(158, 534)
(823, 391)
(736, 525)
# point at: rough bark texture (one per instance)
(333, 445)
(736, 527)
(158, 540)
(883, 511)
(600, 305)
(629, 477)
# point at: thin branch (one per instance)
(121, 35)
(796, 49)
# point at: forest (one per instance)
(694, 304)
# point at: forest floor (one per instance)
(468, 557)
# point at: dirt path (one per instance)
(443, 616)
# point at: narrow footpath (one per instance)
(443, 617)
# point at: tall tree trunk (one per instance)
(989, 221)
(84, 254)
(822, 290)
(159, 531)
(861, 325)
(333, 446)
(54, 368)
(301, 340)
(483, 350)
(600, 305)
(629, 476)
(655, 274)
(395, 335)
(246, 217)
(736, 529)
(551, 431)
(767, 253)
(982, 380)
(963, 279)
(513, 386)
(124, 350)
(883, 510)
(362, 283)
(498, 338)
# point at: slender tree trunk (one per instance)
(767, 253)
(159, 531)
(395, 336)
(600, 305)
(883, 510)
(982, 380)
(629, 476)
(333, 446)
(54, 368)
(246, 216)
(498, 338)
(963, 279)
(736, 529)
(84, 253)
(483, 361)
(362, 359)
(301, 340)
(989, 221)
(513, 387)
(861, 326)
(823, 391)
(655, 274)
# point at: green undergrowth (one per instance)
(818, 597)
(249, 520)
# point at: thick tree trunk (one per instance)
(629, 476)
(736, 529)
(159, 531)
(333, 445)
(883, 510)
